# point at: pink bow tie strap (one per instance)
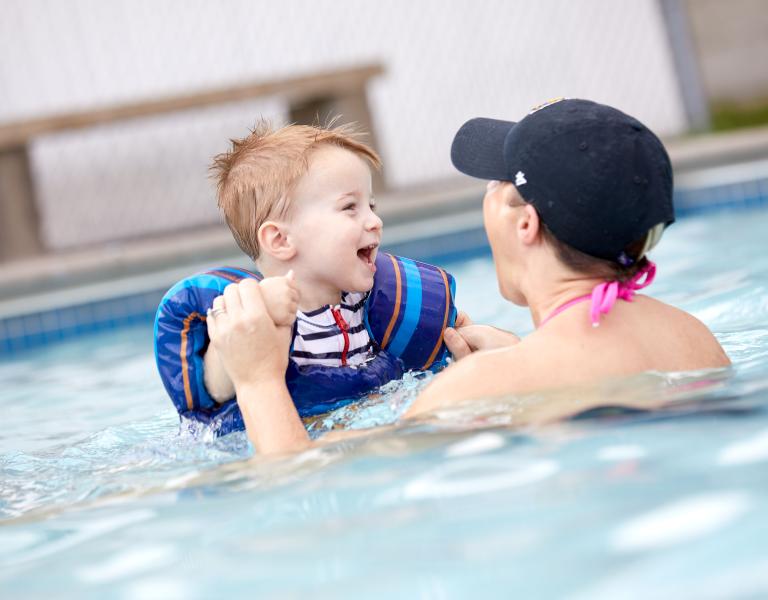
(604, 295)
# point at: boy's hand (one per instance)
(281, 297)
(466, 337)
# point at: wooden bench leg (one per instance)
(352, 107)
(19, 223)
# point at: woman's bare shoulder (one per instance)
(686, 334)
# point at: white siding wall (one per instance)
(446, 61)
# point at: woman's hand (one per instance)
(466, 337)
(249, 343)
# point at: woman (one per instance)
(578, 194)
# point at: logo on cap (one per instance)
(545, 104)
(520, 179)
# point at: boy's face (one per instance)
(332, 225)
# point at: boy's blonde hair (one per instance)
(255, 177)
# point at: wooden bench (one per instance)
(337, 92)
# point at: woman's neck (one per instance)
(544, 301)
(548, 286)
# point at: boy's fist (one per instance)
(281, 298)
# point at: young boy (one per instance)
(299, 202)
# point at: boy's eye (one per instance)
(350, 206)
(372, 204)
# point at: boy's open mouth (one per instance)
(368, 255)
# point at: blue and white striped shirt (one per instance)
(320, 338)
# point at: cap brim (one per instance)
(478, 148)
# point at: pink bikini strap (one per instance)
(604, 295)
(564, 307)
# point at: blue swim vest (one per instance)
(406, 313)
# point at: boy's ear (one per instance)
(274, 241)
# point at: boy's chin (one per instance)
(360, 285)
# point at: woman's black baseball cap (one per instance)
(598, 178)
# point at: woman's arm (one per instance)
(482, 374)
(254, 351)
(270, 417)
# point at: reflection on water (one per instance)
(655, 482)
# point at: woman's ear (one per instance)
(528, 226)
(274, 241)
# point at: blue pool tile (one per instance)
(49, 321)
(67, 317)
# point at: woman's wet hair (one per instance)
(598, 267)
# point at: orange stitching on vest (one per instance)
(184, 365)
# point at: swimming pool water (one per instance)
(101, 497)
